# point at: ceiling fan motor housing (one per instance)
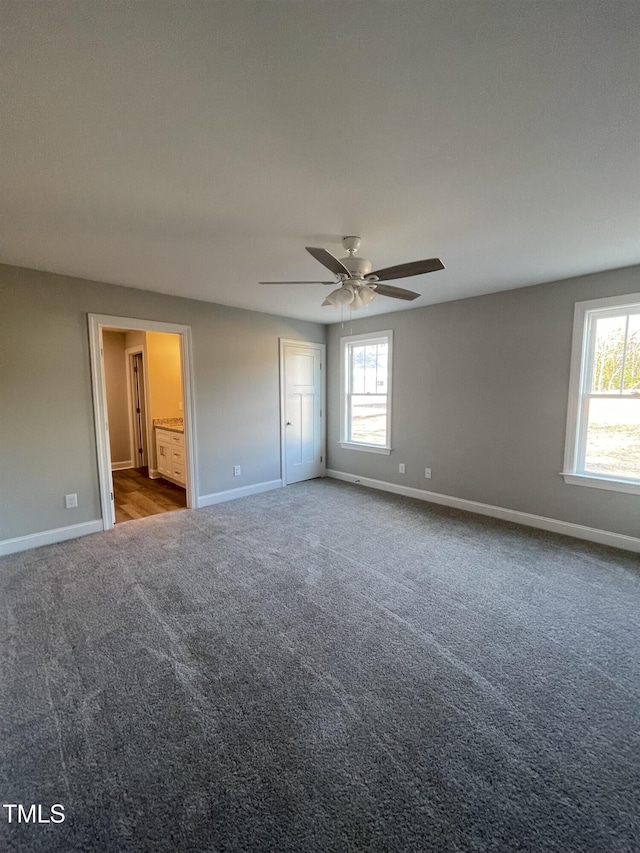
(358, 267)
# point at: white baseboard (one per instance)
(579, 531)
(49, 537)
(120, 466)
(242, 492)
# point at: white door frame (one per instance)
(283, 399)
(98, 322)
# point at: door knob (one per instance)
(288, 423)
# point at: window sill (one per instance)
(367, 448)
(593, 481)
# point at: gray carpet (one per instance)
(322, 668)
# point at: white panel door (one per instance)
(302, 412)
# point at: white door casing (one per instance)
(96, 323)
(302, 392)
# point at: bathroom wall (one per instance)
(164, 375)
(115, 372)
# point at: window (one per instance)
(603, 429)
(366, 392)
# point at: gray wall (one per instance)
(47, 435)
(480, 395)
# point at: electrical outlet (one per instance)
(236, 470)
(179, 406)
(70, 501)
(427, 473)
(401, 467)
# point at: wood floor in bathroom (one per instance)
(137, 496)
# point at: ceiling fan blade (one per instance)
(327, 260)
(396, 292)
(298, 282)
(412, 268)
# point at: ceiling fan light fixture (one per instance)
(357, 302)
(366, 294)
(346, 294)
(354, 295)
(342, 296)
(332, 299)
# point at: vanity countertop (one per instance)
(172, 424)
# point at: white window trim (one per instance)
(580, 364)
(345, 342)
(368, 448)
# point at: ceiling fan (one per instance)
(358, 285)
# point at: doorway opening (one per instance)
(143, 380)
(143, 406)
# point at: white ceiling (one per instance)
(195, 148)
